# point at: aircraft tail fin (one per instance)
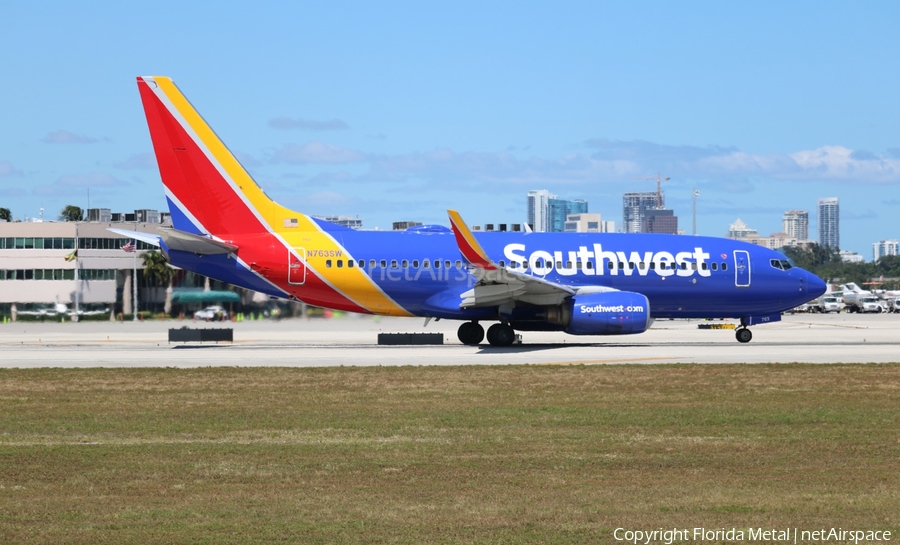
(208, 190)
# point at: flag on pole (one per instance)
(73, 256)
(129, 247)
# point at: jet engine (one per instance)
(609, 313)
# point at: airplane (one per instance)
(227, 228)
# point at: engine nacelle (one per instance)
(609, 313)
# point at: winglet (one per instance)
(468, 246)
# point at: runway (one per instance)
(352, 341)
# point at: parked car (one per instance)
(212, 313)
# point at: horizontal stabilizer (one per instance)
(195, 244)
(149, 238)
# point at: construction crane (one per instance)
(659, 179)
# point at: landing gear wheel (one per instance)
(501, 335)
(470, 333)
(743, 335)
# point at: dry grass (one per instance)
(443, 455)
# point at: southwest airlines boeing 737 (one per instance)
(227, 228)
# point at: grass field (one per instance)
(535, 454)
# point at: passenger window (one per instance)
(704, 266)
(642, 265)
(340, 263)
(589, 265)
(683, 266)
(621, 265)
(502, 263)
(715, 266)
(405, 263)
(458, 264)
(447, 264)
(693, 266)
(351, 263)
(393, 263)
(631, 265)
(559, 264)
(328, 263)
(610, 265)
(652, 265)
(426, 264)
(415, 264)
(578, 265)
(724, 266)
(437, 263)
(568, 264)
(383, 264)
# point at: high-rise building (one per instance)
(829, 223)
(659, 220)
(633, 207)
(885, 247)
(539, 209)
(559, 209)
(795, 223)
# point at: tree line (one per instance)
(826, 263)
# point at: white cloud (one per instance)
(317, 152)
(66, 137)
(94, 179)
(140, 161)
(7, 169)
(307, 124)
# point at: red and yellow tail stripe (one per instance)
(215, 190)
(468, 245)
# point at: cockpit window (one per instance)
(781, 264)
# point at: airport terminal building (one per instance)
(77, 264)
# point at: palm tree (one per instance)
(71, 213)
(156, 267)
(5, 214)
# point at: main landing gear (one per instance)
(471, 333)
(743, 335)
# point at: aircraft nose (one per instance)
(815, 286)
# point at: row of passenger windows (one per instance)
(539, 264)
(57, 274)
(404, 264)
(62, 243)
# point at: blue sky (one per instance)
(400, 110)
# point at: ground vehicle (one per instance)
(863, 302)
(894, 305)
(212, 313)
(826, 304)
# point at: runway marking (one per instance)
(593, 362)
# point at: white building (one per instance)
(796, 224)
(829, 223)
(588, 223)
(539, 209)
(69, 263)
(885, 247)
(850, 257)
(739, 229)
(346, 221)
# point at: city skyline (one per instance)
(384, 112)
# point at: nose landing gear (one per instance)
(743, 335)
